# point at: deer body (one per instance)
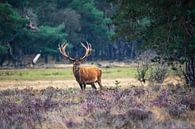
(87, 75)
(84, 74)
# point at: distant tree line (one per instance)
(30, 26)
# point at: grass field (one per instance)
(61, 73)
(45, 98)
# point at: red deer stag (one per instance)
(83, 74)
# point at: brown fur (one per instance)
(84, 74)
(87, 75)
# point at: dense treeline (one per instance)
(161, 24)
(168, 27)
(30, 26)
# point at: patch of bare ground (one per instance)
(64, 84)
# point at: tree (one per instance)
(42, 25)
(17, 39)
(11, 26)
(162, 24)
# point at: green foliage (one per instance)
(52, 32)
(92, 20)
(10, 20)
(15, 3)
(46, 38)
(162, 24)
(55, 21)
(3, 49)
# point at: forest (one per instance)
(140, 54)
(58, 21)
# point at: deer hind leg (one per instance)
(99, 82)
(93, 86)
(82, 86)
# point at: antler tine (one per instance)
(64, 44)
(89, 47)
(62, 48)
(84, 45)
(87, 50)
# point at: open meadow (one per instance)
(61, 77)
(51, 98)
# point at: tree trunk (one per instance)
(57, 57)
(45, 58)
(189, 72)
(2, 59)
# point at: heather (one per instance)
(151, 107)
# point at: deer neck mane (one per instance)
(76, 71)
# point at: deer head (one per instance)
(83, 74)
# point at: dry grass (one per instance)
(71, 83)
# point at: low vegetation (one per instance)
(170, 107)
(66, 73)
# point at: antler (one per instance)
(62, 48)
(88, 50)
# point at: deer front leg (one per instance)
(93, 86)
(84, 86)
